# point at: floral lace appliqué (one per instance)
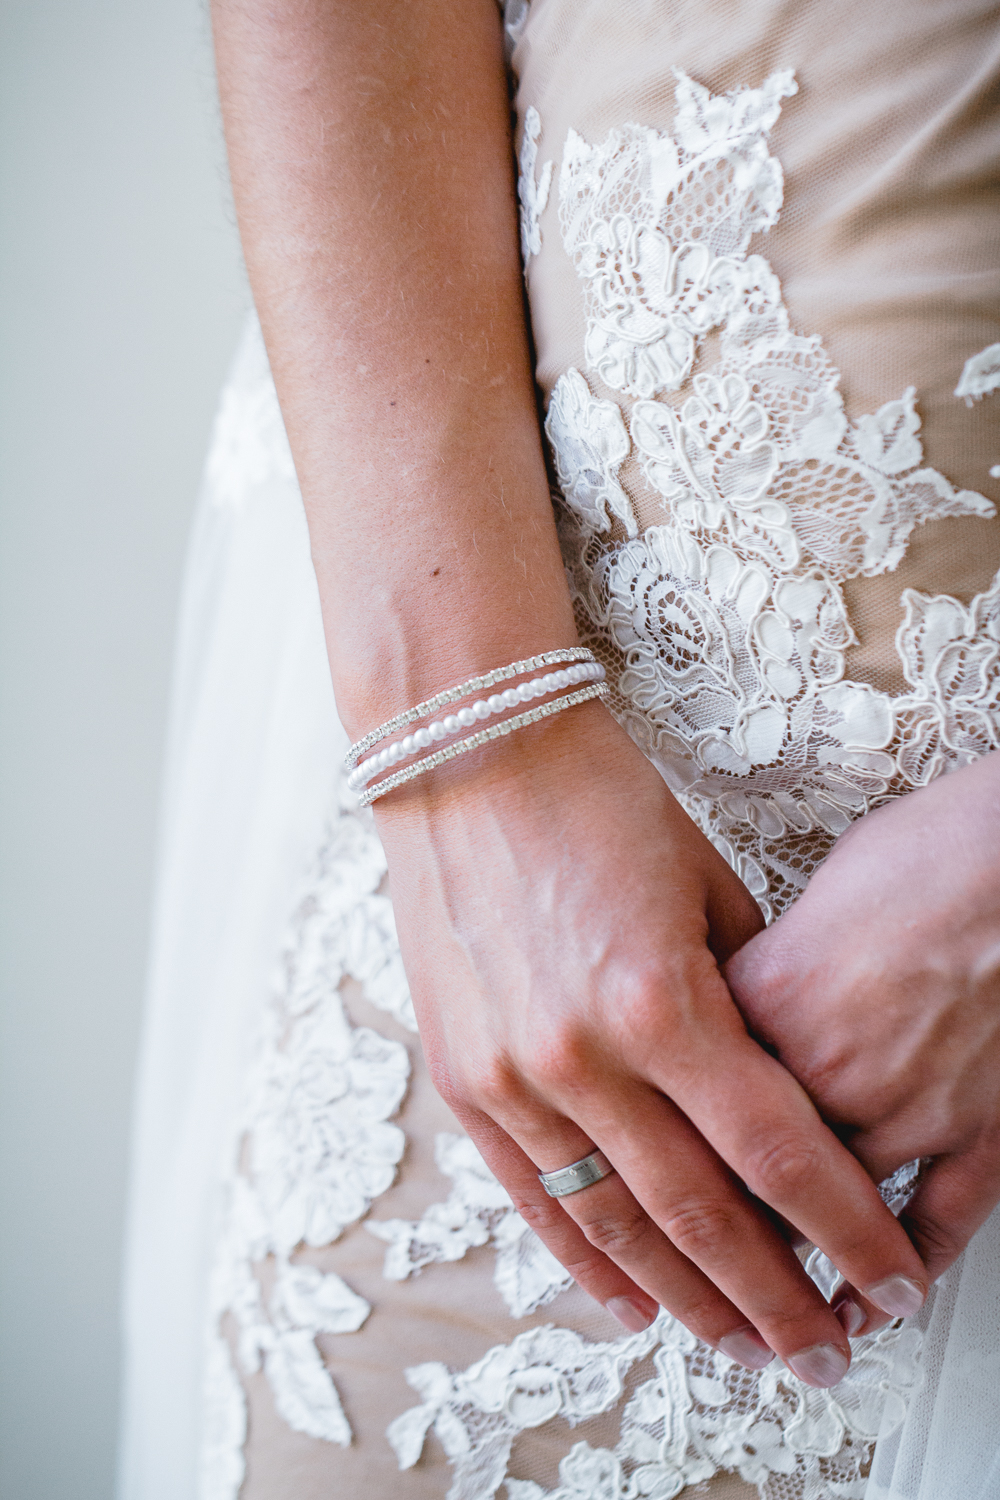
(724, 624)
(476, 1413)
(317, 1147)
(699, 1413)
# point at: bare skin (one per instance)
(880, 990)
(561, 919)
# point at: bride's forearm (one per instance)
(372, 171)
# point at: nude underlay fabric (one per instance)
(886, 248)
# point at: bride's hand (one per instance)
(880, 990)
(561, 920)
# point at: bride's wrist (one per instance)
(574, 757)
(405, 656)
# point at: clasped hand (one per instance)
(880, 990)
(563, 923)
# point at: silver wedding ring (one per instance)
(578, 1175)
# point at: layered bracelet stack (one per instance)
(577, 678)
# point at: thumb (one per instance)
(955, 1197)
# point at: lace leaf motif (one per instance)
(533, 195)
(478, 1211)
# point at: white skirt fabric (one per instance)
(327, 1292)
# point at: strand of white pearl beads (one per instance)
(483, 708)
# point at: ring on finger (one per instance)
(577, 1176)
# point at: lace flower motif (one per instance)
(657, 281)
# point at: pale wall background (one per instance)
(122, 294)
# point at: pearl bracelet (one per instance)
(465, 718)
(463, 690)
(473, 742)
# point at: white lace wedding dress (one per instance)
(313, 1240)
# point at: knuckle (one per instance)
(646, 1006)
(558, 1061)
(701, 1228)
(783, 1170)
(491, 1084)
(544, 1218)
(706, 1317)
(443, 1078)
(935, 1239)
(618, 1235)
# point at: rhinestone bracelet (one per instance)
(483, 708)
(473, 742)
(463, 690)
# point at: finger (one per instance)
(677, 1222)
(692, 1296)
(770, 1134)
(590, 1268)
(954, 1198)
(673, 1188)
(733, 918)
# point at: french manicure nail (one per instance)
(852, 1317)
(822, 1364)
(747, 1349)
(629, 1313)
(896, 1295)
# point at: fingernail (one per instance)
(747, 1349)
(822, 1364)
(852, 1317)
(896, 1295)
(634, 1317)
